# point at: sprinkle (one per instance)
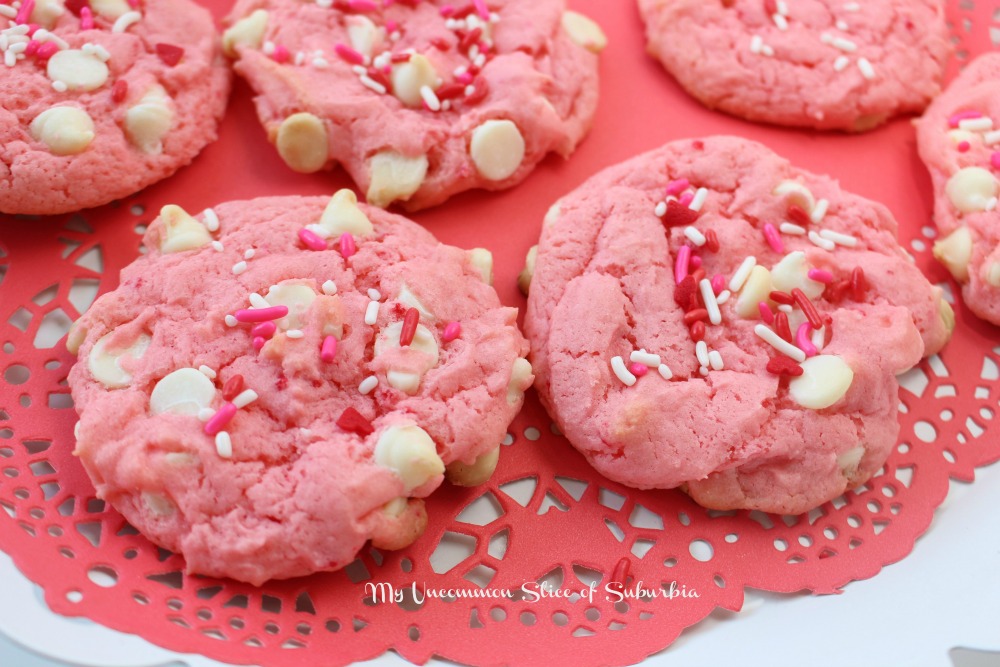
(211, 220)
(773, 238)
(622, 373)
(451, 331)
(125, 20)
(697, 331)
(261, 314)
(711, 304)
(718, 283)
(955, 119)
(329, 288)
(767, 50)
(703, 370)
(821, 242)
(245, 398)
(239, 267)
(347, 246)
(660, 210)
(742, 273)
(842, 25)
(217, 246)
(678, 214)
(169, 54)
(638, 370)
(715, 359)
(328, 350)
(789, 228)
(785, 308)
(701, 351)
(844, 44)
(852, 6)
(220, 419)
(723, 297)
(781, 297)
(353, 421)
(7, 11)
(858, 283)
(797, 215)
(678, 186)
(803, 342)
(371, 313)
(232, 388)
(249, 253)
(205, 414)
(294, 334)
(841, 63)
(207, 372)
(257, 301)
(818, 338)
(991, 204)
(964, 146)
(368, 385)
(866, 68)
(686, 199)
(712, 241)
(349, 54)
(781, 325)
(46, 50)
(223, 445)
(839, 238)
(258, 342)
(58, 86)
(665, 371)
(86, 18)
(780, 21)
(643, 357)
(766, 313)
(820, 276)
(481, 9)
(374, 294)
(772, 339)
(430, 98)
(263, 330)
(699, 199)
(991, 138)
(756, 44)
(231, 321)
(280, 54)
(976, 124)
(24, 12)
(695, 236)
(410, 321)
(784, 366)
(683, 263)
(361, 5)
(696, 315)
(372, 84)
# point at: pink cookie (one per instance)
(960, 144)
(418, 100)
(276, 383)
(811, 63)
(100, 103)
(707, 315)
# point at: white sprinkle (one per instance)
(224, 445)
(430, 98)
(245, 398)
(819, 211)
(268, 48)
(756, 44)
(207, 372)
(779, 343)
(821, 242)
(841, 63)
(826, 38)
(665, 371)
(58, 86)
(852, 6)
(231, 321)
(329, 288)
(767, 50)
(793, 229)
(479, 60)
(217, 245)
(8, 11)
(257, 301)
(699, 199)
(842, 25)
(866, 68)
(991, 138)
(711, 304)
(742, 273)
(469, 90)
(838, 238)
(374, 294)
(19, 47)
(325, 4)
(358, 69)
(383, 59)
(660, 210)
(395, 35)
(249, 254)
(446, 105)
(818, 338)
(126, 20)
(239, 267)
(622, 373)
(371, 313)
(368, 384)
(844, 44)
(101, 53)
(715, 359)
(723, 297)
(991, 204)
(320, 63)
(983, 124)
(694, 236)
(785, 308)
(645, 358)
(782, 7)
(294, 333)
(703, 370)
(301, 57)
(701, 351)
(473, 51)
(205, 414)
(371, 83)
(211, 220)
(780, 21)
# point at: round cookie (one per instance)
(280, 380)
(960, 145)
(708, 316)
(102, 98)
(825, 64)
(418, 100)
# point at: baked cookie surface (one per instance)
(824, 64)
(266, 397)
(708, 316)
(960, 145)
(418, 100)
(104, 98)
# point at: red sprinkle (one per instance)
(698, 274)
(264, 330)
(698, 331)
(783, 365)
(396, 57)
(32, 47)
(46, 51)
(479, 91)
(232, 388)
(638, 369)
(311, 239)
(711, 241)
(410, 321)
(781, 326)
(808, 308)
(261, 314)
(798, 215)
(350, 55)
(685, 289)
(695, 262)
(76, 6)
(169, 54)
(835, 291)
(347, 246)
(695, 316)
(86, 19)
(619, 576)
(470, 38)
(328, 349)
(964, 146)
(281, 54)
(440, 43)
(452, 331)
(783, 298)
(770, 7)
(119, 90)
(353, 421)
(859, 284)
(220, 419)
(450, 91)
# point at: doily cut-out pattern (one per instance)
(545, 516)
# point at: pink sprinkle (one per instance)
(86, 19)
(482, 9)
(134, 4)
(766, 313)
(683, 264)
(311, 239)
(674, 188)
(447, 10)
(46, 50)
(347, 246)
(638, 369)
(995, 160)
(773, 239)
(718, 283)
(220, 419)
(957, 118)
(329, 349)
(261, 314)
(258, 343)
(963, 147)
(24, 13)
(32, 47)
(465, 77)
(802, 340)
(452, 331)
(264, 330)
(695, 262)
(349, 54)
(391, 26)
(362, 5)
(32, 29)
(281, 54)
(820, 276)
(686, 198)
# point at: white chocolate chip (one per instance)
(394, 176)
(528, 272)
(302, 143)
(297, 298)
(158, 503)
(147, 122)
(955, 251)
(364, 35)
(482, 260)
(797, 194)
(848, 461)
(757, 288)
(110, 9)
(793, 271)
(520, 379)
(78, 69)
(406, 382)
(970, 189)
(993, 274)
(497, 149)
(248, 31)
(584, 31)
(410, 76)
(105, 366)
(46, 12)
(423, 341)
(406, 296)
(186, 391)
(552, 215)
(65, 130)
(181, 231)
(475, 473)
(342, 215)
(410, 453)
(824, 381)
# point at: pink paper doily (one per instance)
(548, 515)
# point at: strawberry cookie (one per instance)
(280, 380)
(101, 98)
(418, 99)
(826, 64)
(960, 144)
(707, 316)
